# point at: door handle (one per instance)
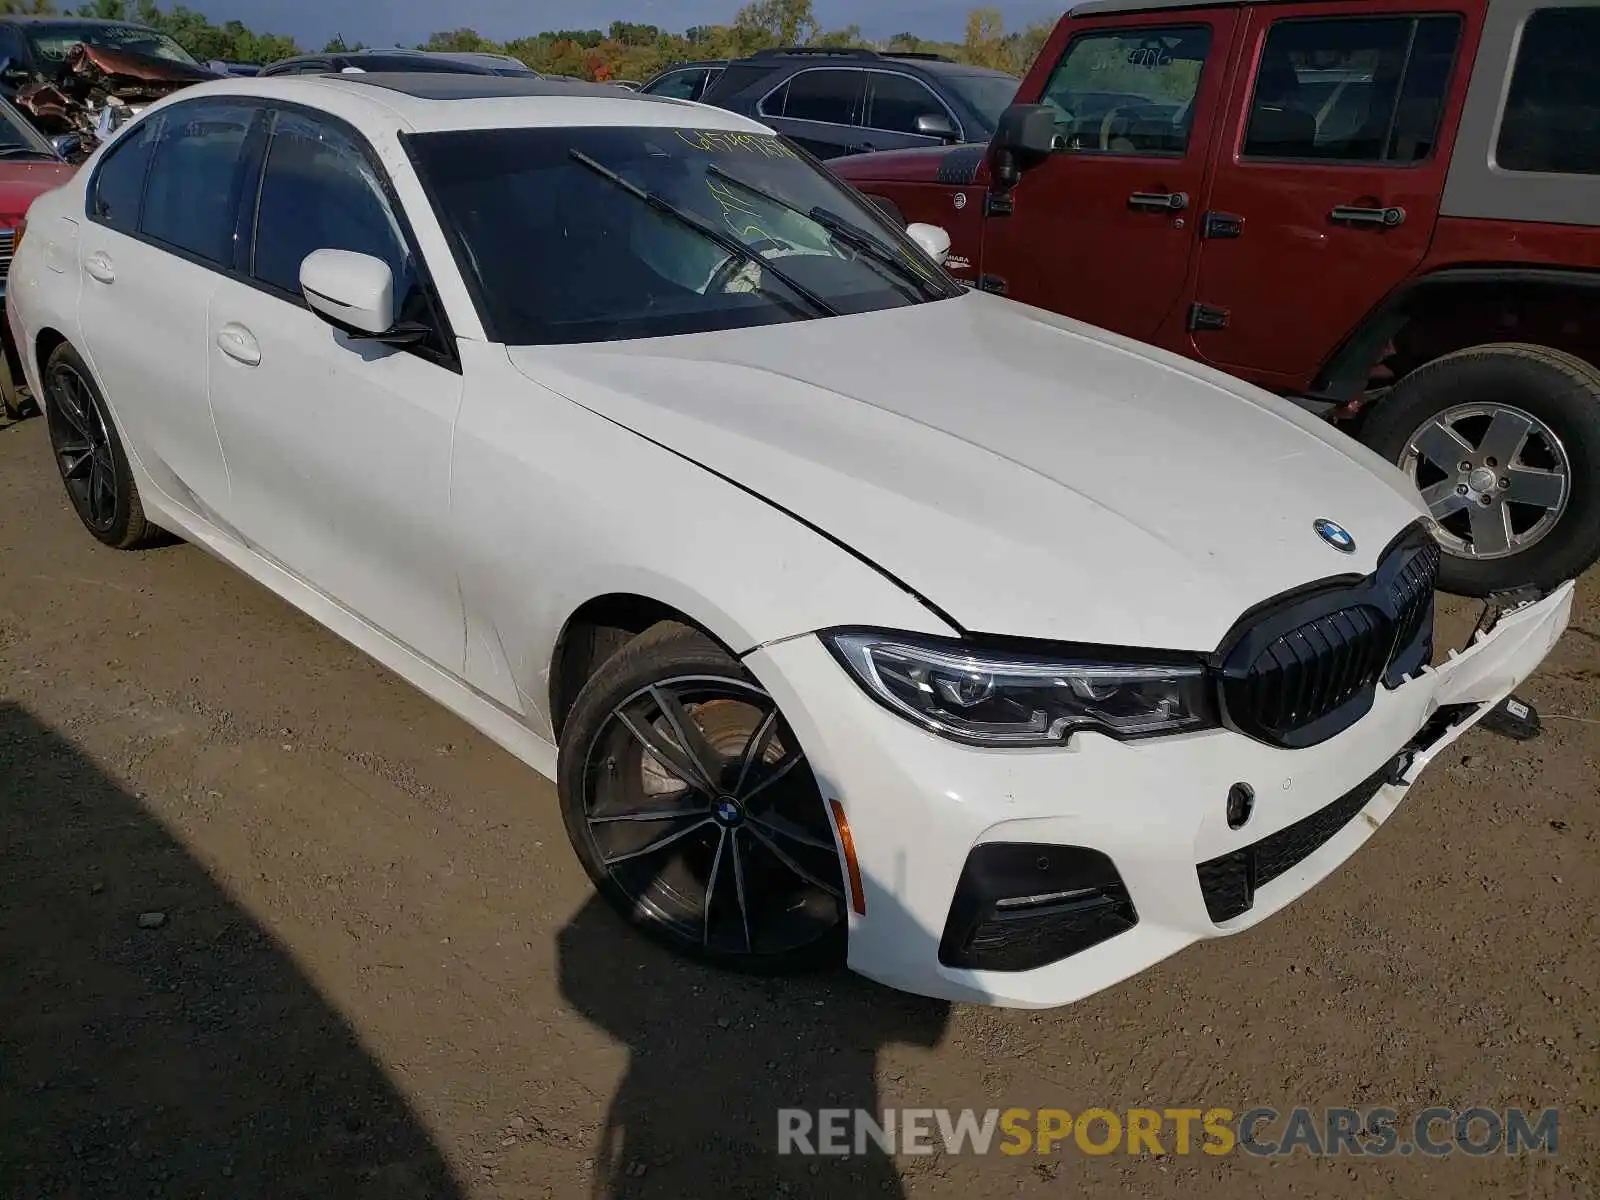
(1159, 201)
(1377, 218)
(98, 266)
(239, 344)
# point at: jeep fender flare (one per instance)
(1344, 376)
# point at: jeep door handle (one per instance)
(98, 266)
(239, 344)
(1159, 201)
(1378, 218)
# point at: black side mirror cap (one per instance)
(1024, 137)
(1027, 131)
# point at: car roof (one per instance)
(69, 19)
(1089, 8)
(432, 101)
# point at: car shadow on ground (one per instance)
(185, 1056)
(714, 1056)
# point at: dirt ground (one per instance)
(381, 972)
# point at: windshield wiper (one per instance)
(729, 243)
(30, 151)
(848, 232)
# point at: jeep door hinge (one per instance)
(1221, 225)
(1206, 316)
(998, 204)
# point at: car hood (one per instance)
(23, 181)
(1026, 474)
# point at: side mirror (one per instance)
(933, 240)
(1024, 137)
(353, 292)
(938, 125)
(66, 144)
(1027, 130)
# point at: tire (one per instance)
(1503, 387)
(89, 455)
(761, 913)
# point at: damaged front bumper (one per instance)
(1151, 821)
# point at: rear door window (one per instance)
(1552, 113)
(192, 197)
(827, 95)
(1352, 89)
(119, 181)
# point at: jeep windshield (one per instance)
(987, 93)
(608, 233)
(51, 40)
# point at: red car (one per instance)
(30, 165)
(1388, 210)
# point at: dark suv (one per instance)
(845, 101)
(400, 60)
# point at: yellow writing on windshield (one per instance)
(714, 141)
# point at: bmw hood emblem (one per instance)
(1335, 534)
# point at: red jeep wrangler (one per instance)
(1388, 210)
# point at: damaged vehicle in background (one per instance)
(30, 165)
(84, 77)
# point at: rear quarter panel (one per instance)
(1471, 241)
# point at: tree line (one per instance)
(624, 50)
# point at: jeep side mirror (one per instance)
(66, 144)
(937, 125)
(1024, 137)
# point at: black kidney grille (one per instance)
(1302, 671)
(1311, 671)
(1412, 594)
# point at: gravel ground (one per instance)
(272, 924)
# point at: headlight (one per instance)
(1003, 699)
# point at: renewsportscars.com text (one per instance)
(1263, 1131)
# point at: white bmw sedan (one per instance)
(855, 614)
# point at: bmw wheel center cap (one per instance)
(1335, 534)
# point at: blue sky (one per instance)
(406, 22)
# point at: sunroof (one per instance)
(444, 85)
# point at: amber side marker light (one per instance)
(16, 234)
(858, 897)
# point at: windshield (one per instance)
(986, 95)
(600, 234)
(51, 42)
(18, 137)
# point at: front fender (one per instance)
(555, 505)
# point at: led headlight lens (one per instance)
(991, 699)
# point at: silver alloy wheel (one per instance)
(700, 808)
(1495, 478)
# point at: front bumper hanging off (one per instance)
(1136, 849)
